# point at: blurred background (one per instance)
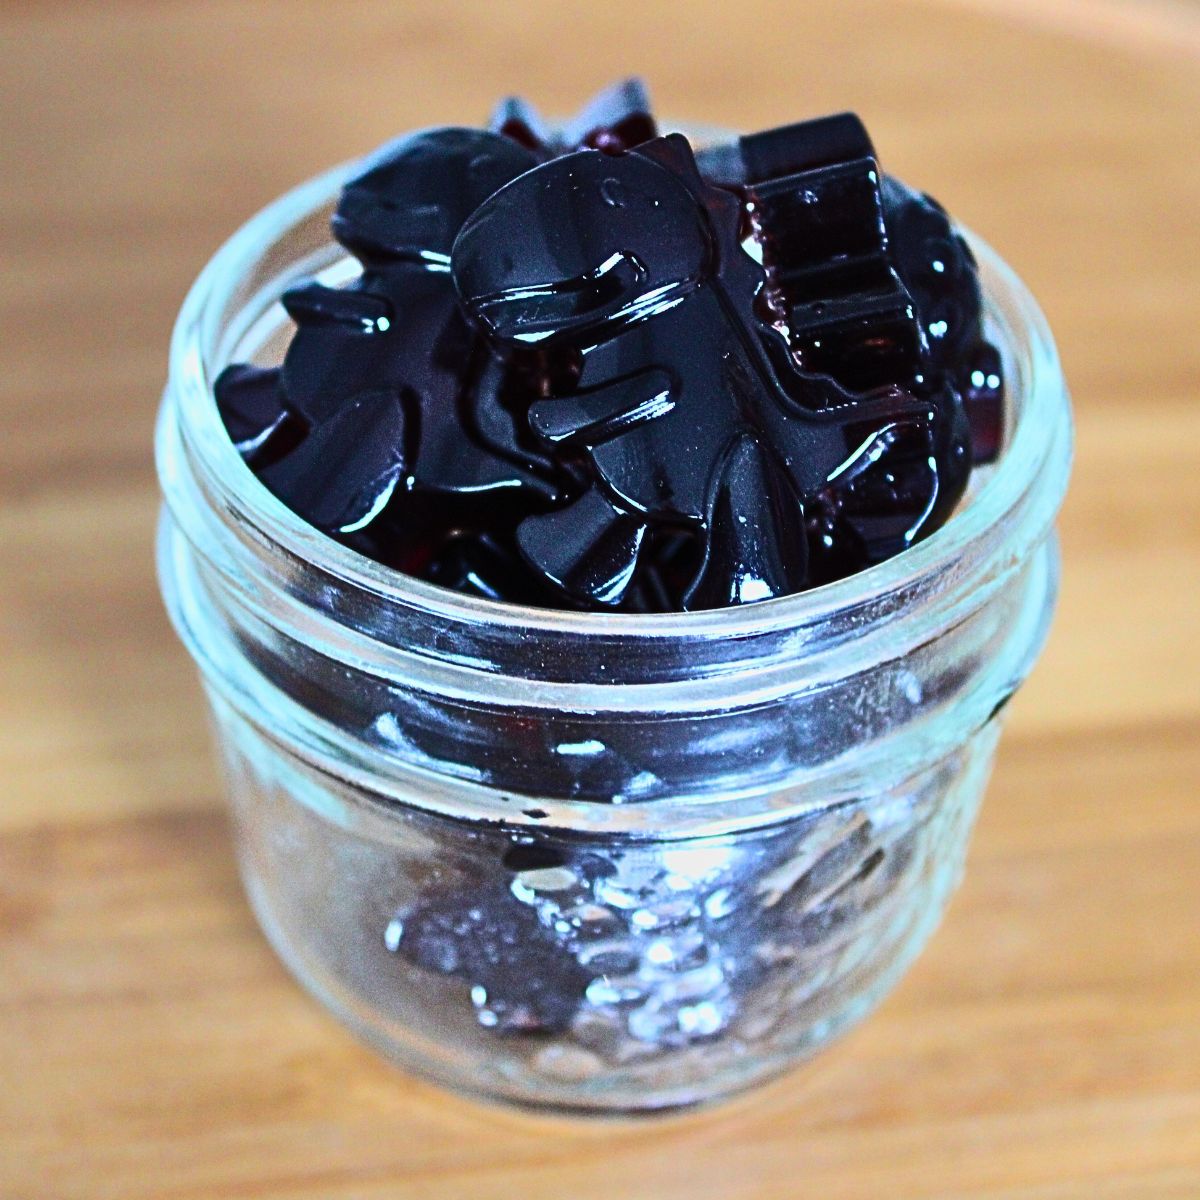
(1048, 1043)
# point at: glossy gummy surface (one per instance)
(563, 378)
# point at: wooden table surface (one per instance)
(1048, 1043)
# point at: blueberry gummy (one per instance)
(588, 367)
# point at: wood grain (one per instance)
(1047, 1046)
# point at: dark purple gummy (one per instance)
(588, 551)
(533, 856)
(983, 399)
(616, 119)
(519, 973)
(635, 259)
(939, 271)
(341, 347)
(479, 561)
(598, 407)
(415, 193)
(822, 231)
(514, 117)
(751, 559)
(877, 510)
(817, 212)
(251, 403)
(343, 474)
(804, 146)
(785, 150)
(400, 328)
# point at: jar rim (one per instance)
(1039, 412)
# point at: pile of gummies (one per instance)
(591, 367)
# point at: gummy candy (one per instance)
(583, 367)
(687, 417)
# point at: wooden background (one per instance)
(1048, 1044)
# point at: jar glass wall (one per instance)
(580, 860)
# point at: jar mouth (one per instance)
(426, 696)
(1039, 433)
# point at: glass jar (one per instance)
(592, 862)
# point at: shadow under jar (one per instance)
(581, 861)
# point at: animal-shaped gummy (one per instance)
(617, 118)
(817, 213)
(396, 395)
(869, 278)
(413, 194)
(688, 408)
(613, 421)
(938, 269)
